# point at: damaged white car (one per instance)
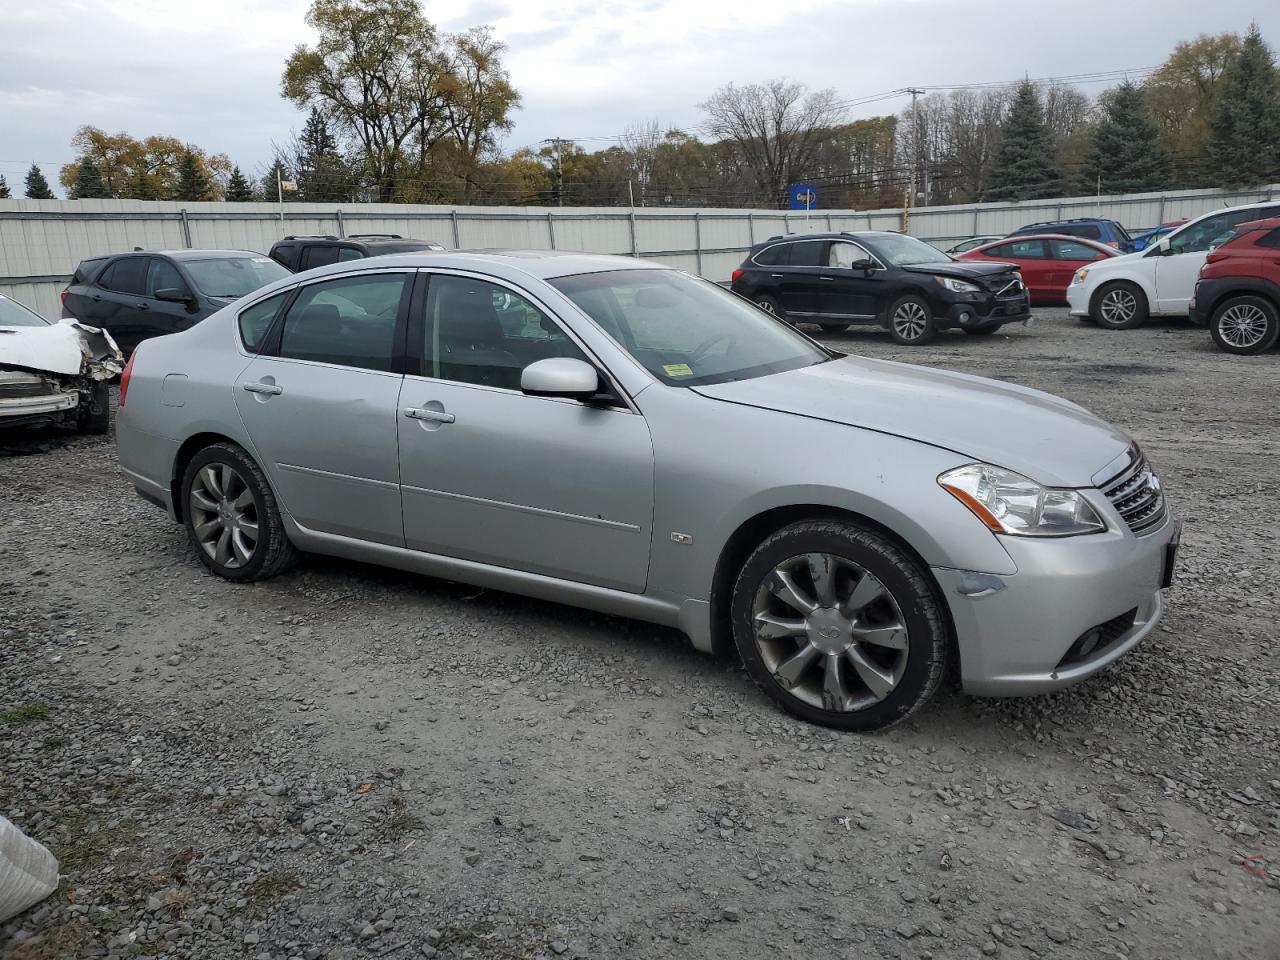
(54, 373)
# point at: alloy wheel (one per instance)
(224, 515)
(1243, 325)
(830, 633)
(910, 320)
(766, 306)
(1118, 306)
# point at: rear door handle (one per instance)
(776, 276)
(828, 279)
(144, 306)
(267, 388)
(424, 413)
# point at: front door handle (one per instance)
(776, 276)
(828, 279)
(426, 413)
(268, 388)
(144, 306)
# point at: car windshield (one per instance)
(904, 251)
(14, 314)
(233, 277)
(687, 331)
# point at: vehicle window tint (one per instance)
(255, 322)
(1067, 250)
(349, 321)
(285, 253)
(1212, 231)
(1023, 250)
(774, 256)
(318, 256)
(1087, 230)
(86, 269)
(349, 253)
(482, 333)
(1270, 240)
(844, 255)
(127, 275)
(163, 276)
(808, 253)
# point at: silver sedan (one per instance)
(625, 437)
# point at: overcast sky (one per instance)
(209, 73)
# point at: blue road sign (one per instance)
(802, 196)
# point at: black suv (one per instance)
(303, 253)
(890, 279)
(144, 294)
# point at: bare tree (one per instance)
(776, 127)
(641, 140)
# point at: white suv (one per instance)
(1122, 292)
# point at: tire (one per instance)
(1119, 306)
(835, 327)
(770, 306)
(911, 321)
(897, 634)
(94, 416)
(981, 331)
(1245, 325)
(206, 480)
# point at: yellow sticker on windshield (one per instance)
(677, 369)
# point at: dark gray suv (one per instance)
(135, 296)
(304, 253)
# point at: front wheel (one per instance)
(911, 321)
(232, 517)
(839, 625)
(1245, 325)
(769, 306)
(1120, 306)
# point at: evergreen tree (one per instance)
(37, 185)
(141, 186)
(238, 189)
(271, 179)
(1126, 155)
(1244, 125)
(89, 185)
(1024, 167)
(4, 188)
(192, 183)
(323, 175)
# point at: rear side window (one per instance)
(350, 321)
(86, 270)
(318, 256)
(1019, 250)
(774, 256)
(127, 275)
(808, 253)
(255, 322)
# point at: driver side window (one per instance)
(350, 322)
(845, 255)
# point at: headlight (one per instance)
(958, 286)
(1008, 502)
(1080, 275)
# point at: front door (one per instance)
(167, 316)
(545, 485)
(320, 404)
(848, 294)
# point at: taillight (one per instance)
(1114, 243)
(737, 274)
(124, 377)
(64, 293)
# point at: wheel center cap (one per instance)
(225, 513)
(829, 630)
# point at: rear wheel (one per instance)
(232, 517)
(911, 321)
(839, 625)
(1120, 306)
(1245, 325)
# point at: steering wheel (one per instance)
(701, 349)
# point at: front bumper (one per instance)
(16, 411)
(987, 312)
(1022, 634)
(1206, 293)
(1078, 299)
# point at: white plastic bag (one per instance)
(28, 871)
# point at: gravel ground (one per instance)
(353, 762)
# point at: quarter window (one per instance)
(255, 322)
(127, 275)
(775, 256)
(1270, 240)
(479, 332)
(350, 322)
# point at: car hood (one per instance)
(964, 269)
(1041, 436)
(68, 348)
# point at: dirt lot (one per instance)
(352, 762)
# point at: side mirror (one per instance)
(174, 295)
(560, 377)
(866, 265)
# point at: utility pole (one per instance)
(915, 142)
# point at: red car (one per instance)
(1047, 261)
(1238, 293)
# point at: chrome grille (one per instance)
(1135, 493)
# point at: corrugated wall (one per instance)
(41, 241)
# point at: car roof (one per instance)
(542, 264)
(1044, 223)
(191, 254)
(1049, 236)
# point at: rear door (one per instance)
(1068, 256)
(320, 403)
(118, 301)
(1031, 257)
(801, 287)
